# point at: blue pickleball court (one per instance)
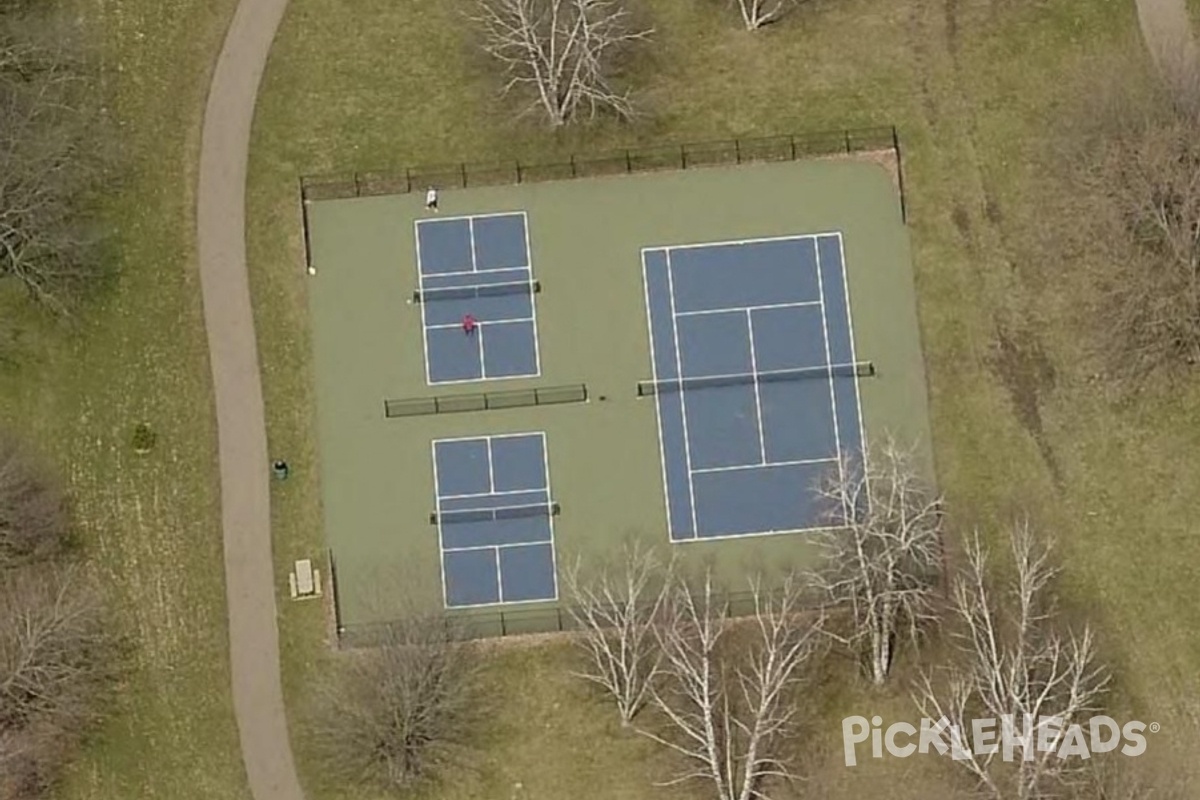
(477, 266)
(755, 381)
(495, 518)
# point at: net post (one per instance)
(518, 170)
(792, 144)
(463, 166)
(628, 162)
(737, 150)
(847, 133)
(357, 186)
(683, 156)
(408, 178)
(574, 174)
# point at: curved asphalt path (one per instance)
(1167, 30)
(241, 427)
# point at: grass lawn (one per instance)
(138, 354)
(392, 84)
(1017, 428)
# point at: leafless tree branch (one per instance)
(616, 611)
(1018, 664)
(727, 709)
(33, 519)
(50, 157)
(565, 53)
(882, 553)
(760, 13)
(399, 713)
(58, 655)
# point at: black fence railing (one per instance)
(496, 623)
(789, 147)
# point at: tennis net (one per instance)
(472, 292)
(495, 514)
(861, 369)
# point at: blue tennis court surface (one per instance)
(495, 519)
(477, 266)
(757, 398)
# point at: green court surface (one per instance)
(604, 461)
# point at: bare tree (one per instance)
(33, 519)
(1019, 665)
(727, 709)
(58, 655)
(760, 13)
(50, 160)
(565, 53)
(882, 555)
(399, 713)
(616, 611)
(1135, 161)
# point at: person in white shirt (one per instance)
(431, 199)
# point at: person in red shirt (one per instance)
(469, 325)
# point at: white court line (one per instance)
(471, 241)
(437, 505)
(460, 217)
(482, 363)
(528, 249)
(485, 437)
(735, 309)
(456, 273)
(735, 242)
(762, 440)
(493, 493)
(837, 440)
(550, 499)
(491, 469)
(687, 447)
(537, 343)
(421, 288)
(862, 429)
(658, 413)
(447, 325)
(755, 534)
(510, 546)
(491, 379)
(499, 576)
(764, 465)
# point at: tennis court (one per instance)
(477, 266)
(755, 381)
(495, 519)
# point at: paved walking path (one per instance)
(1167, 29)
(241, 428)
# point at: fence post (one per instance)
(574, 174)
(737, 151)
(900, 174)
(683, 155)
(357, 188)
(463, 167)
(408, 178)
(792, 141)
(628, 162)
(518, 170)
(503, 624)
(848, 141)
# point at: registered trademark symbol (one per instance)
(1155, 727)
